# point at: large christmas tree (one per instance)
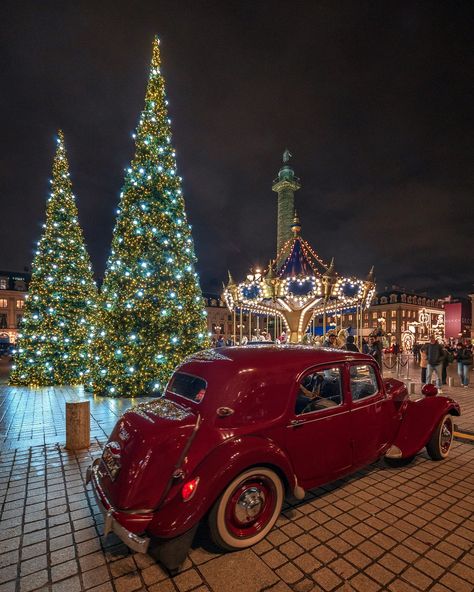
(61, 304)
(152, 313)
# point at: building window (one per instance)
(393, 298)
(20, 303)
(3, 320)
(3, 303)
(19, 318)
(349, 317)
(3, 284)
(384, 314)
(383, 300)
(374, 315)
(19, 285)
(366, 325)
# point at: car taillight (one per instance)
(189, 489)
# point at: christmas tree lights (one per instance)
(152, 311)
(59, 312)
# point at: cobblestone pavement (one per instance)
(406, 529)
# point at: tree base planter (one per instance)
(78, 429)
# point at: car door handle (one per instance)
(296, 422)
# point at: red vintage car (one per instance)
(240, 428)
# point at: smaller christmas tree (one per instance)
(61, 304)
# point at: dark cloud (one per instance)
(373, 99)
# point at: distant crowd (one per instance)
(433, 357)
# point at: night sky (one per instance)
(374, 100)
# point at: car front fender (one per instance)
(215, 472)
(420, 418)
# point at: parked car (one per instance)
(240, 428)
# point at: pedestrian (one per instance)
(446, 360)
(220, 341)
(350, 345)
(375, 350)
(434, 354)
(365, 346)
(423, 362)
(464, 360)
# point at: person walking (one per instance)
(423, 363)
(434, 354)
(446, 360)
(464, 360)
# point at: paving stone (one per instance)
(91, 561)
(33, 565)
(343, 568)
(456, 584)
(417, 578)
(95, 576)
(362, 583)
(238, 572)
(128, 583)
(70, 585)
(274, 558)
(61, 555)
(9, 558)
(64, 570)
(122, 567)
(34, 581)
(289, 573)
(8, 573)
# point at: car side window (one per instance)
(363, 382)
(319, 390)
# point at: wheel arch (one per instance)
(216, 473)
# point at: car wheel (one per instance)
(399, 462)
(441, 440)
(247, 510)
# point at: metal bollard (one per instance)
(411, 388)
(450, 381)
(78, 427)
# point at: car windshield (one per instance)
(188, 386)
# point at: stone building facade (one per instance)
(13, 290)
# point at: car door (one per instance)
(368, 412)
(318, 433)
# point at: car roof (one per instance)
(243, 377)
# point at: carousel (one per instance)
(298, 290)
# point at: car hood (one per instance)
(148, 444)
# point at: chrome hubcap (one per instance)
(249, 504)
(446, 436)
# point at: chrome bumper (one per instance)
(132, 540)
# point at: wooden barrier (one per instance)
(78, 427)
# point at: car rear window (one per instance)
(188, 386)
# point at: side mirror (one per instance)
(429, 390)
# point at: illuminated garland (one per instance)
(152, 313)
(61, 303)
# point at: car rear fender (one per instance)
(420, 419)
(215, 472)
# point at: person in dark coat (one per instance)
(350, 345)
(435, 356)
(464, 359)
(375, 350)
